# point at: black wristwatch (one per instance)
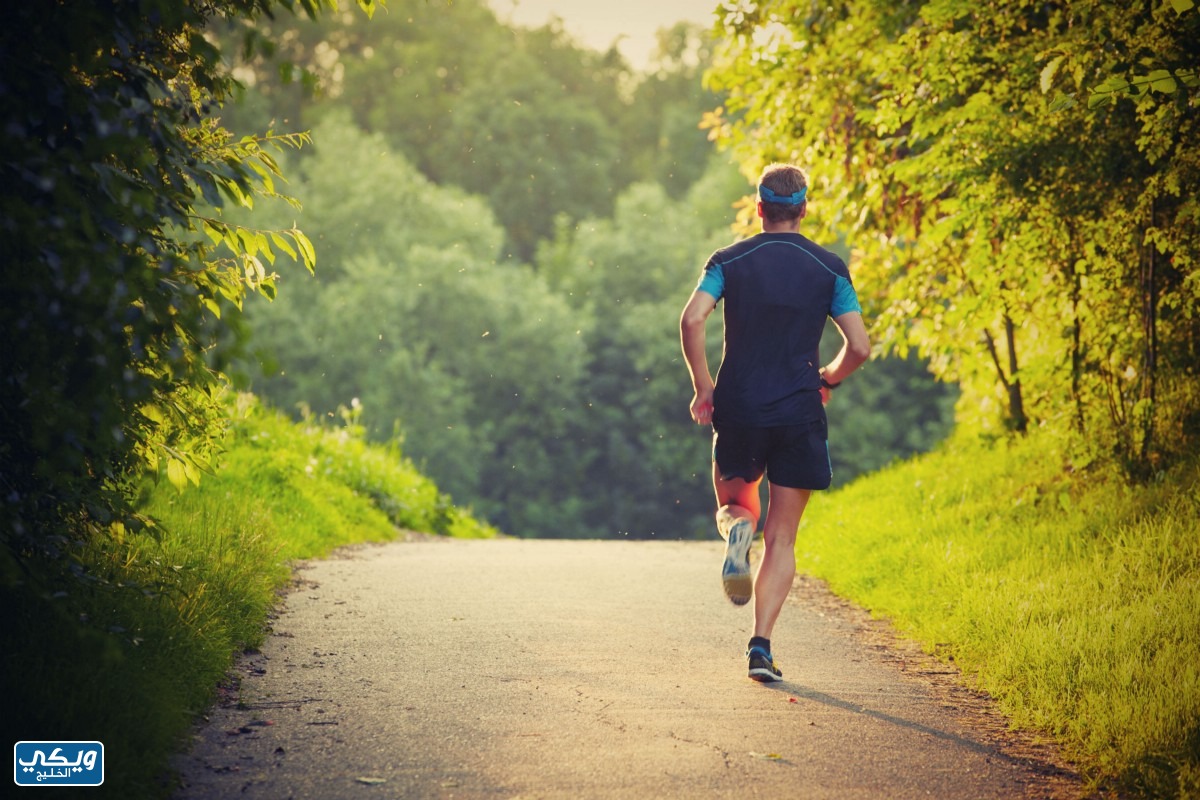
(826, 383)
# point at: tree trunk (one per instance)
(1150, 353)
(1016, 404)
(1076, 289)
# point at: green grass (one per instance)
(129, 649)
(1073, 599)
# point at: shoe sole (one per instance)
(763, 675)
(735, 572)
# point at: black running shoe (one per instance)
(762, 666)
(735, 572)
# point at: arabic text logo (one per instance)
(58, 763)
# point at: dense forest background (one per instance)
(507, 226)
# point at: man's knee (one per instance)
(778, 537)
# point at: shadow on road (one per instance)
(804, 693)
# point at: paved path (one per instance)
(553, 669)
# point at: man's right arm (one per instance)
(691, 334)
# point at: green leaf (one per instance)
(1162, 81)
(213, 232)
(1063, 102)
(1182, 6)
(283, 245)
(177, 474)
(272, 166)
(235, 193)
(264, 175)
(249, 241)
(1049, 71)
(264, 246)
(231, 240)
(306, 249)
(255, 274)
(191, 473)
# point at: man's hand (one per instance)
(702, 407)
(825, 395)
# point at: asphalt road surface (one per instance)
(557, 669)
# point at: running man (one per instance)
(767, 404)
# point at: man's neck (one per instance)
(781, 227)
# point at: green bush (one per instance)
(129, 645)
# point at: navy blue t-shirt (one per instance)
(778, 290)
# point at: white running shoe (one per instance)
(735, 572)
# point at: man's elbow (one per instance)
(691, 322)
(859, 350)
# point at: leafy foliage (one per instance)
(1041, 254)
(549, 397)
(129, 651)
(108, 268)
(526, 118)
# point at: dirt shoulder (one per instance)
(946, 685)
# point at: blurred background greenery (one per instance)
(508, 224)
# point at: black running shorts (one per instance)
(795, 456)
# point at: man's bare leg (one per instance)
(738, 511)
(778, 567)
(736, 498)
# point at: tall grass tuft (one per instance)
(127, 644)
(1071, 597)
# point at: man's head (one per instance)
(782, 193)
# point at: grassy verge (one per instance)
(130, 648)
(1072, 599)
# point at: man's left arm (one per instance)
(856, 349)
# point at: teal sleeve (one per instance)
(845, 299)
(713, 281)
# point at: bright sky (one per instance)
(598, 23)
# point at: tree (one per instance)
(532, 149)
(466, 358)
(108, 267)
(525, 117)
(551, 398)
(646, 464)
(669, 101)
(1019, 243)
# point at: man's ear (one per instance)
(758, 206)
(804, 209)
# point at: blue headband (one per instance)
(794, 199)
